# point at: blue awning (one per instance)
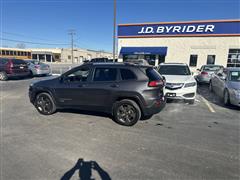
(144, 50)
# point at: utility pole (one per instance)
(72, 32)
(114, 29)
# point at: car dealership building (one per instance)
(193, 42)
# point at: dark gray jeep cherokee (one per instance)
(128, 92)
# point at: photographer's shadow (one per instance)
(84, 169)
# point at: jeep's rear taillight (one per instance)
(156, 83)
(204, 73)
(9, 66)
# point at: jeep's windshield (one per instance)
(174, 70)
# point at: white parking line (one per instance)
(208, 105)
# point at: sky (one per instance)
(46, 23)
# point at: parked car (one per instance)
(205, 73)
(226, 84)
(38, 68)
(99, 60)
(128, 92)
(10, 68)
(137, 61)
(180, 84)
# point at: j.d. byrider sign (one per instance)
(176, 29)
(187, 28)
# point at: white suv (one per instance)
(180, 84)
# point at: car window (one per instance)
(234, 76)
(152, 74)
(211, 68)
(127, 74)
(79, 75)
(174, 70)
(18, 61)
(3, 61)
(105, 74)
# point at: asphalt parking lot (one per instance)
(200, 141)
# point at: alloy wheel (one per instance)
(126, 113)
(44, 104)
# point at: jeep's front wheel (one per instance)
(3, 76)
(126, 112)
(45, 104)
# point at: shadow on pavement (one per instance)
(85, 169)
(203, 90)
(85, 112)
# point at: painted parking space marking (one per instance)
(208, 105)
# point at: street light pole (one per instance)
(114, 29)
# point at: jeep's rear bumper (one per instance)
(155, 108)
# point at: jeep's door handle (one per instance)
(114, 85)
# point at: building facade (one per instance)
(80, 55)
(63, 55)
(195, 43)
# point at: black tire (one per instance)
(226, 100)
(31, 74)
(44, 104)
(3, 76)
(126, 112)
(210, 86)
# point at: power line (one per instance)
(30, 42)
(22, 35)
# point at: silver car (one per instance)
(226, 84)
(38, 68)
(205, 73)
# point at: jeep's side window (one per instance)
(79, 75)
(127, 74)
(105, 74)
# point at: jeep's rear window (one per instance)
(153, 75)
(127, 74)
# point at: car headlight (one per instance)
(190, 84)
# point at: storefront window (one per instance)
(150, 59)
(161, 59)
(193, 60)
(130, 57)
(211, 59)
(233, 58)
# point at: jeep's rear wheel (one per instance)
(3, 76)
(126, 112)
(45, 104)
